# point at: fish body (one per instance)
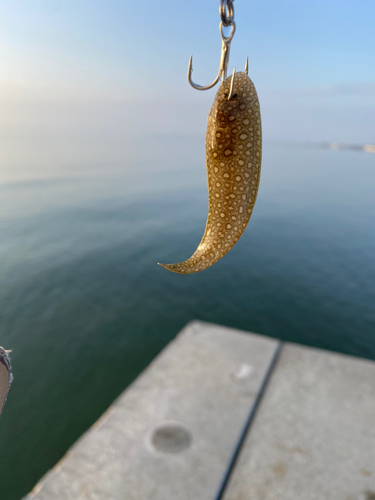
(233, 160)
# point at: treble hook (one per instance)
(224, 59)
(226, 11)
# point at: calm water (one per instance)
(85, 308)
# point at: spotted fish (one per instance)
(233, 159)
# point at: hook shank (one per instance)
(224, 60)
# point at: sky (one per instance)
(81, 80)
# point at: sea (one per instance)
(85, 307)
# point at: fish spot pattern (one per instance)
(233, 153)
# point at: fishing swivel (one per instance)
(226, 11)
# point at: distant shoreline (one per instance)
(336, 146)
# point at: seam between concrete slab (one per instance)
(247, 426)
(207, 345)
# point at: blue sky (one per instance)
(98, 70)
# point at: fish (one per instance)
(233, 161)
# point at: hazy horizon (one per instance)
(85, 82)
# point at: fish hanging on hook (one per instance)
(233, 158)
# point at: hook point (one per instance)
(233, 79)
(190, 67)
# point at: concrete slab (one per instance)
(171, 435)
(313, 437)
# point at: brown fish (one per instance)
(233, 159)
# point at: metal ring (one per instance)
(226, 11)
(227, 39)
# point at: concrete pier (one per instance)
(227, 415)
(314, 434)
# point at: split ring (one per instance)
(226, 11)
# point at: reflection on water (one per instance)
(85, 307)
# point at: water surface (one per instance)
(85, 308)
